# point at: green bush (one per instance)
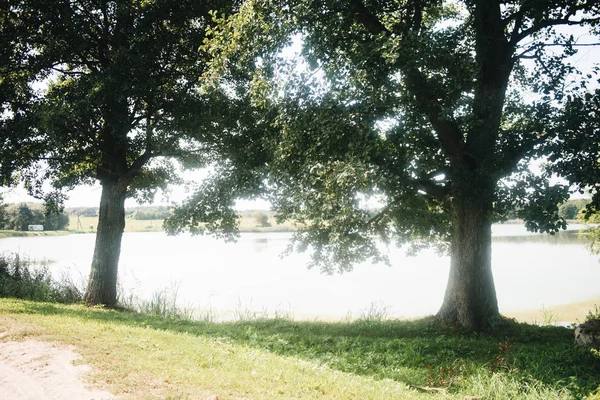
(23, 278)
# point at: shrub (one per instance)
(262, 219)
(23, 278)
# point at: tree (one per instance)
(16, 95)
(433, 108)
(56, 222)
(22, 217)
(122, 97)
(571, 209)
(262, 219)
(575, 156)
(3, 214)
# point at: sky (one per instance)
(89, 196)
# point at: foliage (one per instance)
(593, 314)
(163, 303)
(23, 278)
(262, 219)
(147, 213)
(3, 214)
(122, 102)
(572, 209)
(130, 81)
(21, 216)
(414, 123)
(294, 359)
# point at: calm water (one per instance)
(530, 271)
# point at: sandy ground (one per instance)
(37, 370)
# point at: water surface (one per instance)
(530, 271)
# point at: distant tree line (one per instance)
(570, 209)
(19, 217)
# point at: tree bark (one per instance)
(470, 301)
(102, 285)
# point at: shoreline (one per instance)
(556, 314)
(246, 225)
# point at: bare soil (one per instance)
(38, 370)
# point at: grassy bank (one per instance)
(139, 356)
(8, 233)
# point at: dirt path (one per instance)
(33, 370)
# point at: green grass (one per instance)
(142, 356)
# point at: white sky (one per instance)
(83, 196)
(89, 196)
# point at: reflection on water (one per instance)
(260, 244)
(529, 271)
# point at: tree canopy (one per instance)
(415, 123)
(111, 91)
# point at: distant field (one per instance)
(247, 224)
(89, 224)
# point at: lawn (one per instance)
(142, 356)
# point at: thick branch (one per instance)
(367, 19)
(138, 164)
(428, 187)
(517, 27)
(448, 131)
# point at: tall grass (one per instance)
(24, 278)
(163, 303)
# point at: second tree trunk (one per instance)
(102, 284)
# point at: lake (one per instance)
(531, 271)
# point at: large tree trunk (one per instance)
(102, 285)
(470, 301)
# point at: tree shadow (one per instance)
(413, 352)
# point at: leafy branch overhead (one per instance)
(409, 96)
(113, 92)
(415, 122)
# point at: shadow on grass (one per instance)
(412, 352)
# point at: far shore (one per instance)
(247, 225)
(557, 314)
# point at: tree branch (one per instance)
(448, 131)
(137, 165)
(512, 158)
(523, 55)
(517, 27)
(546, 24)
(367, 19)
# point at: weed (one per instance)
(283, 314)
(548, 317)
(163, 303)
(446, 376)
(504, 360)
(593, 314)
(24, 278)
(245, 313)
(376, 311)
